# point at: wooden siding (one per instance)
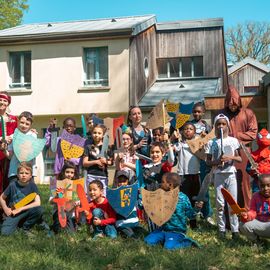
(141, 47)
(248, 75)
(208, 43)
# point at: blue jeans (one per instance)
(108, 230)
(171, 240)
(26, 219)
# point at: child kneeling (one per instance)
(256, 222)
(26, 216)
(172, 233)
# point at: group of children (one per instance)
(165, 151)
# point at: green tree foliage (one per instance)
(248, 39)
(11, 12)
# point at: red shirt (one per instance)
(109, 213)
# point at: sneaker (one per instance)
(28, 234)
(235, 236)
(98, 235)
(210, 221)
(222, 235)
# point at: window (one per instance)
(251, 89)
(20, 69)
(180, 67)
(96, 66)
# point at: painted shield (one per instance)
(159, 204)
(123, 199)
(26, 147)
(112, 124)
(182, 116)
(72, 145)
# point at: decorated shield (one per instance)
(26, 147)
(112, 124)
(123, 199)
(72, 145)
(180, 117)
(159, 205)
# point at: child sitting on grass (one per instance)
(26, 216)
(130, 225)
(172, 233)
(256, 222)
(104, 216)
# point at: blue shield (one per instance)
(123, 199)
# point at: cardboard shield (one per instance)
(26, 147)
(159, 205)
(123, 199)
(112, 124)
(72, 146)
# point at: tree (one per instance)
(249, 39)
(11, 12)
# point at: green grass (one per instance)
(81, 252)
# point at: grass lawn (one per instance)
(80, 252)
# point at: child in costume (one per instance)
(172, 233)
(262, 157)
(126, 160)
(26, 216)
(130, 225)
(141, 135)
(188, 166)
(69, 124)
(104, 216)
(96, 166)
(202, 128)
(256, 222)
(69, 171)
(24, 126)
(222, 152)
(153, 172)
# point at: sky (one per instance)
(232, 11)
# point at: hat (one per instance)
(6, 97)
(222, 116)
(122, 173)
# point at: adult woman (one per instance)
(10, 124)
(141, 135)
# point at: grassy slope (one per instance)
(80, 252)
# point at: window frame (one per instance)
(86, 80)
(22, 83)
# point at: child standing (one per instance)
(172, 233)
(69, 171)
(202, 128)
(256, 222)
(29, 214)
(221, 154)
(104, 216)
(24, 126)
(96, 166)
(69, 124)
(188, 166)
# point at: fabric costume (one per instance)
(172, 233)
(257, 224)
(202, 126)
(261, 156)
(244, 127)
(26, 219)
(224, 177)
(11, 125)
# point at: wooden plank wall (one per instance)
(141, 46)
(248, 75)
(207, 42)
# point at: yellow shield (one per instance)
(159, 204)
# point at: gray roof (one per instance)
(190, 24)
(191, 90)
(133, 25)
(250, 61)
